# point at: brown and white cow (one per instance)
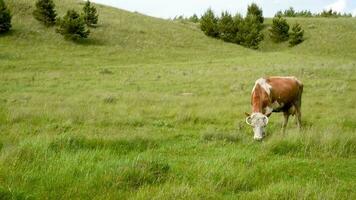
(274, 94)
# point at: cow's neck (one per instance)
(260, 100)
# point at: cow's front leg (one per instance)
(285, 122)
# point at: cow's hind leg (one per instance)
(298, 116)
(298, 113)
(285, 122)
(298, 107)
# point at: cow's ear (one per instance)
(247, 115)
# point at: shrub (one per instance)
(208, 24)
(72, 26)
(90, 14)
(45, 12)
(226, 27)
(279, 30)
(249, 34)
(5, 18)
(253, 9)
(296, 36)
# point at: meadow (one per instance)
(148, 108)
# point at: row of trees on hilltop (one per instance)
(247, 31)
(72, 26)
(237, 29)
(306, 13)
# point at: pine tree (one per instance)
(45, 12)
(226, 27)
(296, 37)
(279, 30)
(290, 12)
(5, 18)
(249, 33)
(72, 26)
(90, 14)
(208, 24)
(253, 9)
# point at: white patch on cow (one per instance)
(257, 119)
(269, 110)
(275, 105)
(263, 83)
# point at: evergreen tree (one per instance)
(72, 26)
(90, 14)
(290, 12)
(208, 24)
(279, 30)
(45, 12)
(279, 13)
(226, 27)
(5, 18)
(194, 18)
(249, 34)
(296, 36)
(253, 9)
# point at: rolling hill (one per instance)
(152, 109)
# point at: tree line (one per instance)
(306, 13)
(237, 29)
(290, 12)
(72, 25)
(247, 30)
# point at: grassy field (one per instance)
(153, 109)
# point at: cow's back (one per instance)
(284, 89)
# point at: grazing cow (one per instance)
(274, 94)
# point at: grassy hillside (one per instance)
(324, 37)
(153, 109)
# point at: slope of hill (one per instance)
(153, 109)
(131, 37)
(324, 37)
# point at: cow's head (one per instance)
(258, 121)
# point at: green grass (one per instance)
(153, 109)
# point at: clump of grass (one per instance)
(191, 118)
(215, 135)
(235, 183)
(105, 71)
(144, 173)
(284, 147)
(3, 115)
(11, 194)
(109, 100)
(76, 143)
(319, 144)
(349, 124)
(162, 123)
(25, 154)
(311, 26)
